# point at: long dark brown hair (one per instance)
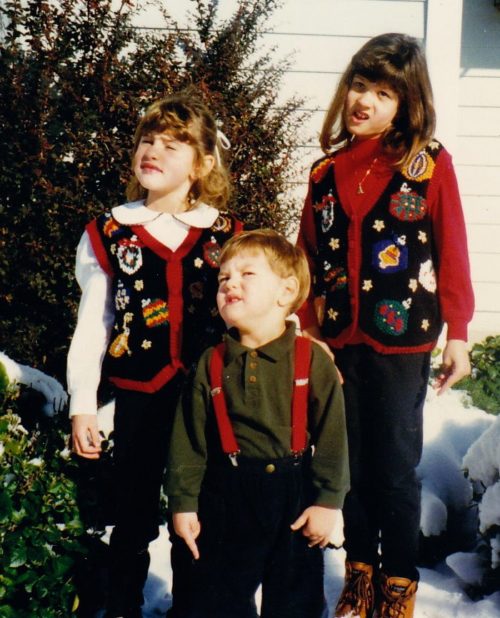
(398, 60)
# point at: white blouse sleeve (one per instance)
(92, 332)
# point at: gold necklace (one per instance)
(367, 173)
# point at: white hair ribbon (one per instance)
(222, 142)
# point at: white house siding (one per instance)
(477, 157)
(322, 35)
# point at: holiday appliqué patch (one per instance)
(129, 254)
(122, 296)
(119, 346)
(391, 317)
(407, 205)
(222, 224)
(335, 277)
(196, 289)
(427, 276)
(319, 169)
(420, 168)
(110, 227)
(155, 312)
(390, 256)
(211, 253)
(327, 209)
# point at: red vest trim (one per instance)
(98, 247)
(164, 306)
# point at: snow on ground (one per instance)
(449, 430)
(454, 436)
(440, 594)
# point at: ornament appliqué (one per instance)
(129, 254)
(420, 168)
(155, 312)
(391, 317)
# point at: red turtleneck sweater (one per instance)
(453, 271)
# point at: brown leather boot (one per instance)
(397, 597)
(356, 600)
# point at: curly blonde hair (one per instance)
(187, 119)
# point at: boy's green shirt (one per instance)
(258, 388)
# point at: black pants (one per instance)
(142, 428)
(245, 514)
(384, 397)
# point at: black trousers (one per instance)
(384, 398)
(246, 541)
(142, 428)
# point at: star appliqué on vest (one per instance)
(332, 315)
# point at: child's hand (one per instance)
(456, 365)
(85, 436)
(313, 333)
(319, 524)
(187, 526)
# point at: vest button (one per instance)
(253, 365)
(252, 379)
(270, 468)
(253, 354)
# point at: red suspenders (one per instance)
(300, 392)
(226, 433)
(299, 399)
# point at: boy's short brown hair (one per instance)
(285, 258)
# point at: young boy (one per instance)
(255, 501)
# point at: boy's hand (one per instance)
(456, 365)
(321, 525)
(187, 526)
(85, 436)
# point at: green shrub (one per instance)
(40, 529)
(483, 385)
(4, 383)
(74, 77)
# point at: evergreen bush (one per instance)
(483, 385)
(74, 77)
(41, 534)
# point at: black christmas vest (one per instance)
(164, 301)
(395, 297)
